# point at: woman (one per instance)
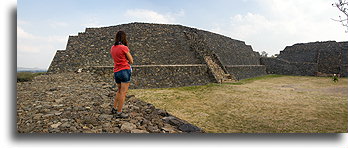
(122, 71)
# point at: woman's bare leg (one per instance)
(116, 100)
(122, 94)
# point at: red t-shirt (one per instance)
(118, 53)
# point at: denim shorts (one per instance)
(123, 76)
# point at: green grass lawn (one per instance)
(267, 104)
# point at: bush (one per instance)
(27, 76)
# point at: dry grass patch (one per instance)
(268, 104)
(27, 76)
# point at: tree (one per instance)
(274, 56)
(264, 54)
(342, 5)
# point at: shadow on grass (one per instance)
(250, 80)
(210, 85)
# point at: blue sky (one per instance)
(43, 26)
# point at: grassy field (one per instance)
(27, 76)
(268, 104)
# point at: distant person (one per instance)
(122, 71)
(335, 78)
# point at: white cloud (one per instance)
(25, 35)
(28, 42)
(284, 23)
(249, 24)
(21, 34)
(143, 15)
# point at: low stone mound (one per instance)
(81, 103)
(310, 59)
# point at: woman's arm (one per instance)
(129, 57)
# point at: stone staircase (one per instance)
(218, 73)
(197, 42)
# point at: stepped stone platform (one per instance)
(200, 56)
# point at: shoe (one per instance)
(113, 111)
(121, 115)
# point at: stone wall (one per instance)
(344, 62)
(233, 53)
(279, 66)
(227, 52)
(246, 71)
(299, 53)
(310, 59)
(160, 76)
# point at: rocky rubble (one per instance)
(81, 103)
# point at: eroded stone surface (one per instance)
(81, 103)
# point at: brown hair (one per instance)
(121, 38)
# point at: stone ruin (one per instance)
(174, 55)
(164, 55)
(310, 59)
